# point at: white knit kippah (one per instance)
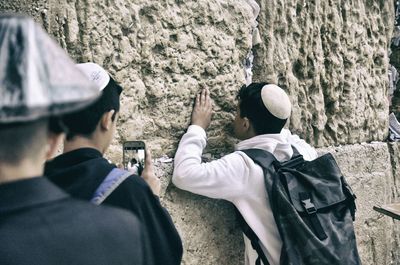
(276, 101)
(96, 74)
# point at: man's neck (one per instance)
(23, 170)
(81, 142)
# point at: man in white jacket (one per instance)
(263, 110)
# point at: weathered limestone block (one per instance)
(330, 55)
(368, 171)
(332, 58)
(394, 149)
(163, 53)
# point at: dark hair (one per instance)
(21, 140)
(84, 122)
(252, 107)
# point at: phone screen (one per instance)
(133, 156)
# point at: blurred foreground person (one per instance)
(39, 223)
(84, 173)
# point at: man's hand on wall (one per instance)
(202, 110)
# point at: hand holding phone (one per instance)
(137, 159)
(149, 176)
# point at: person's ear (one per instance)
(249, 128)
(54, 141)
(106, 122)
(246, 124)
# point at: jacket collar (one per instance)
(75, 157)
(279, 144)
(27, 193)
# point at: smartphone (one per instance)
(133, 155)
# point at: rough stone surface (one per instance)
(163, 53)
(368, 171)
(332, 58)
(37, 9)
(394, 149)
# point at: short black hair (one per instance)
(22, 140)
(84, 122)
(251, 106)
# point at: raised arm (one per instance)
(223, 178)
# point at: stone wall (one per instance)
(163, 53)
(369, 170)
(331, 56)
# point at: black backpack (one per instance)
(314, 209)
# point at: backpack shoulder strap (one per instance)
(267, 162)
(263, 158)
(295, 151)
(109, 184)
(253, 238)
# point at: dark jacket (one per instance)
(40, 224)
(80, 172)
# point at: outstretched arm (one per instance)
(222, 178)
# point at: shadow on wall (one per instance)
(394, 91)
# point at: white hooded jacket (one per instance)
(236, 178)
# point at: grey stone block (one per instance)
(367, 168)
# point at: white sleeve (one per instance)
(224, 178)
